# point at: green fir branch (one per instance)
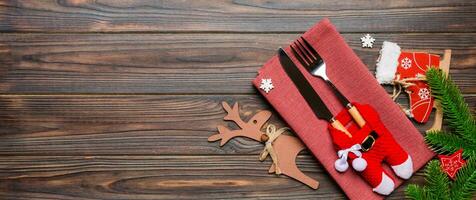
(438, 182)
(465, 185)
(437, 188)
(415, 192)
(456, 111)
(444, 143)
(440, 187)
(463, 136)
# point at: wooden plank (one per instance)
(235, 16)
(179, 63)
(125, 124)
(160, 177)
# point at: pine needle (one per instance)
(465, 184)
(415, 192)
(456, 111)
(445, 143)
(438, 182)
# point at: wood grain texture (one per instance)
(179, 63)
(235, 16)
(115, 99)
(126, 124)
(160, 177)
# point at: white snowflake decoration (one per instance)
(424, 93)
(406, 63)
(266, 85)
(367, 41)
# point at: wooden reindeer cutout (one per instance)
(283, 149)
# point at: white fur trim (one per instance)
(386, 186)
(404, 170)
(387, 62)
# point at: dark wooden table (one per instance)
(108, 99)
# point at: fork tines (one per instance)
(305, 53)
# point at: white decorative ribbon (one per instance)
(341, 163)
(272, 134)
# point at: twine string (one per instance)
(272, 134)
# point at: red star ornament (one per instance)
(451, 164)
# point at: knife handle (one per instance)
(337, 125)
(356, 116)
(351, 108)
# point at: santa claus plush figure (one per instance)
(368, 148)
(407, 70)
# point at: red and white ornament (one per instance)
(407, 69)
(453, 163)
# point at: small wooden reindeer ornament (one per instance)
(283, 149)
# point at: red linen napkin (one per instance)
(356, 82)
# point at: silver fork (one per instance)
(310, 59)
